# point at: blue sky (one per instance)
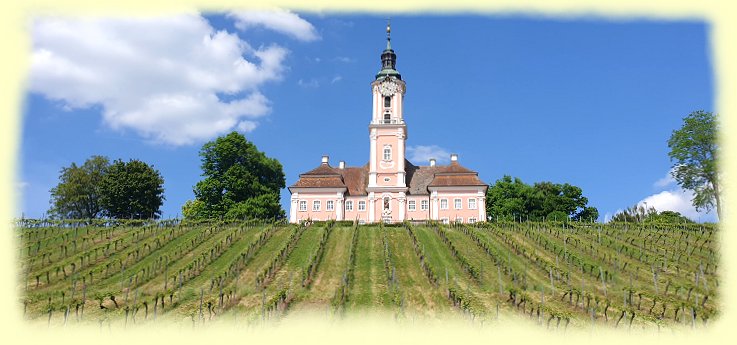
(589, 102)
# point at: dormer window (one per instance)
(387, 118)
(387, 102)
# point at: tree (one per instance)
(634, 214)
(512, 198)
(132, 190)
(239, 181)
(77, 196)
(506, 198)
(695, 151)
(670, 217)
(641, 214)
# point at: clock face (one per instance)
(388, 88)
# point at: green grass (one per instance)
(518, 256)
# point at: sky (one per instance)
(584, 101)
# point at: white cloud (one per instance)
(21, 185)
(420, 154)
(677, 200)
(279, 20)
(312, 83)
(344, 59)
(666, 181)
(336, 79)
(159, 77)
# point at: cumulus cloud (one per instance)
(674, 198)
(279, 20)
(677, 200)
(420, 154)
(665, 181)
(161, 77)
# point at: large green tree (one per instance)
(511, 198)
(132, 189)
(77, 196)
(239, 182)
(694, 151)
(507, 198)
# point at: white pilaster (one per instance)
(376, 109)
(400, 158)
(372, 159)
(372, 209)
(481, 204)
(293, 210)
(339, 209)
(402, 199)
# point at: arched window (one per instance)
(387, 153)
(386, 203)
(387, 102)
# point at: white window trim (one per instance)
(316, 204)
(458, 203)
(329, 205)
(445, 220)
(425, 205)
(411, 205)
(360, 204)
(471, 207)
(302, 205)
(459, 219)
(471, 219)
(349, 205)
(387, 147)
(441, 204)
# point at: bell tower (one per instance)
(388, 134)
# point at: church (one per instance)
(389, 188)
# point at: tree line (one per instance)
(241, 182)
(97, 188)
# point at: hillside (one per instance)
(554, 274)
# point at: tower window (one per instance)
(387, 102)
(387, 118)
(387, 153)
(386, 203)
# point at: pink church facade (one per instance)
(388, 188)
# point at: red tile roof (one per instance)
(418, 178)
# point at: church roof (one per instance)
(418, 178)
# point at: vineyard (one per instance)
(557, 275)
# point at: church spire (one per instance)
(388, 35)
(388, 58)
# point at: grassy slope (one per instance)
(527, 251)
